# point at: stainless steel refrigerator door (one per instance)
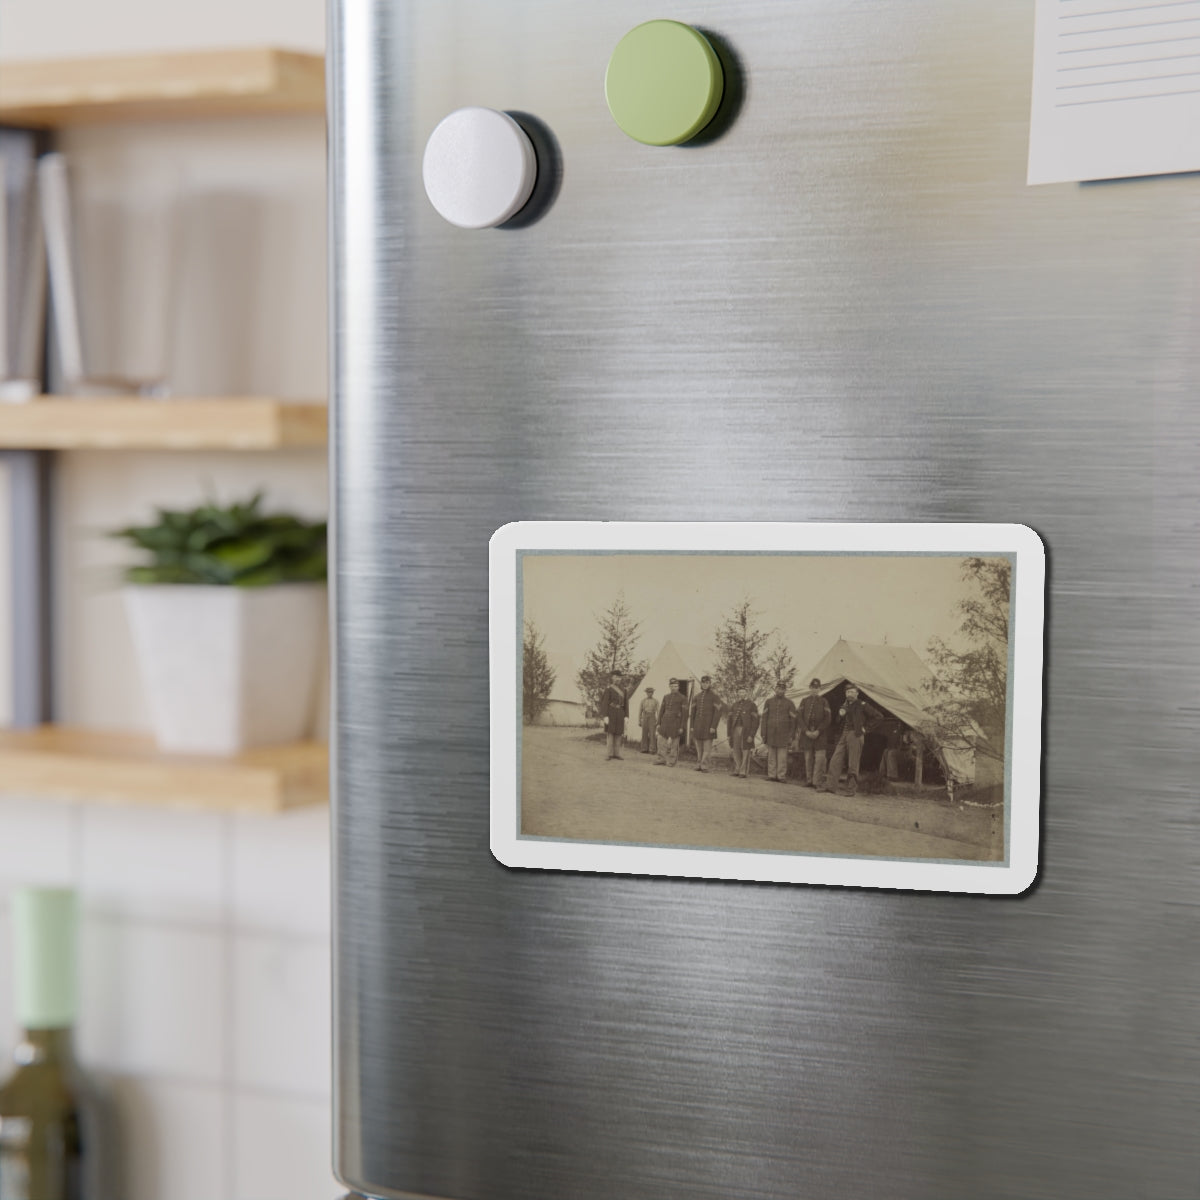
(847, 306)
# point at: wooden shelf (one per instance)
(216, 83)
(78, 764)
(228, 423)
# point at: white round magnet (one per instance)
(479, 168)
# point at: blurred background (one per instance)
(205, 937)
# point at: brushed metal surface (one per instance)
(849, 306)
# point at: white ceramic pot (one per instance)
(227, 668)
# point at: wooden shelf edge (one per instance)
(216, 423)
(88, 765)
(210, 83)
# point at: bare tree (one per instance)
(969, 689)
(613, 652)
(539, 676)
(741, 652)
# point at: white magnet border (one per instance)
(1024, 753)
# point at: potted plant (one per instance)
(228, 622)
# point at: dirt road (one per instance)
(570, 791)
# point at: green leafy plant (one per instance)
(237, 546)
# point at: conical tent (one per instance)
(894, 678)
(680, 660)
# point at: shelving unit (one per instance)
(219, 83)
(80, 764)
(225, 423)
(43, 759)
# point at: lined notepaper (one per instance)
(1116, 89)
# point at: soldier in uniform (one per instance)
(916, 747)
(648, 717)
(614, 708)
(856, 715)
(706, 712)
(895, 747)
(672, 717)
(813, 720)
(741, 724)
(778, 729)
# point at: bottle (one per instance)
(42, 1138)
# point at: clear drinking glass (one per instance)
(22, 273)
(112, 234)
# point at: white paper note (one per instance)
(1116, 89)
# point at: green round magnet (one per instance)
(664, 83)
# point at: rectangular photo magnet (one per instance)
(845, 704)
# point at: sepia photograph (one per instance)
(853, 705)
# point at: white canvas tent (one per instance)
(893, 677)
(565, 705)
(679, 659)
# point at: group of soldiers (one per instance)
(781, 724)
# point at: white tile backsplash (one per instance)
(282, 1150)
(153, 864)
(204, 977)
(154, 1000)
(38, 843)
(281, 872)
(171, 1140)
(281, 1015)
(204, 972)
(8, 1016)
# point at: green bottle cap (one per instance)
(664, 83)
(44, 924)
